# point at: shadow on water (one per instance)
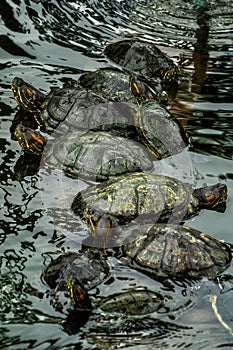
(49, 44)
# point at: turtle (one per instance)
(78, 107)
(162, 251)
(85, 110)
(76, 273)
(114, 84)
(175, 251)
(136, 55)
(132, 302)
(142, 197)
(159, 130)
(92, 156)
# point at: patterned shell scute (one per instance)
(117, 117)
(133, 302)
(113, 84)
(179, 251)
(161, 132)
(60, 103)
(99, 155)
(141, 57)
(137, 195)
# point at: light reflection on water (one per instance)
(50, 43)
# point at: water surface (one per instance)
(49, 44)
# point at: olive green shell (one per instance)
(97, 156)
(62, 103)
(178, 251)
(142, 57)
(133, 302)
(161, 133)
(84, 110)
(138, 196)
(111, 83)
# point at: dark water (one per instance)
(50, 43)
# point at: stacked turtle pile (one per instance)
(112, 128)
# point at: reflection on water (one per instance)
(49, 44)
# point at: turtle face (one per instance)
(212, 196)
(27, 96)
(143, 92)
(77, 294)
(30, 140)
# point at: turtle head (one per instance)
(30, 140)
(212, 197)
(27, 96)
(78, 293)
(143, 92)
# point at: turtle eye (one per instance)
(17, 82)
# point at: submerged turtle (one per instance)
(93, 156)
(142, 57)
(77, 273)
(143, 198)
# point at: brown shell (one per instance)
(173, 250)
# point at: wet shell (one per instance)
(138, 196)
(98, 155)
(177, 251)
(142, 57)
(112, 84)
(144, 198)
(161, 133)
(133, 302)
(87, 267)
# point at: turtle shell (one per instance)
(178, 251)
(84, 110)
(142, 57)
(97, 155)
(112, 83)
(61, 103)
(138, 196)
(144, 198)
(87, 266)
(162, 133)
(133, 302)
(77, 273)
